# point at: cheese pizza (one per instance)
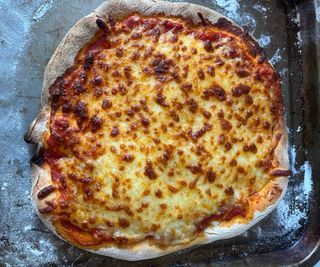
(161, 127)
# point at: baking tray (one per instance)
(289, 31)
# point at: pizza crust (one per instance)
(63, 58)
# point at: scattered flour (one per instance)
(41, 11)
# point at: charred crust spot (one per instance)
(128, 157)
(102, 25)
(106, 104)
(204, 21)
(276, 173)
(123, 223)
(88, 61)
(38, 158)
(215, 91)
(149, 172)
(253, 47)
(44, 192)
(115, 131)
(46, 210)
(240, 90)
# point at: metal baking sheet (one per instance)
(289, 31)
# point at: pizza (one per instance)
(161, 127)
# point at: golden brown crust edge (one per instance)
(63, 58)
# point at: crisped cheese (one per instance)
(159, 127)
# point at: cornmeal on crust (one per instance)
(161, 127)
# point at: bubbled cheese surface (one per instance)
(159, 130)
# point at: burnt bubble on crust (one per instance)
(44, 192)
(38, 158)
(102, 25)
(204, 20)
(276, 173)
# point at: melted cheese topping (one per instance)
(159, 129)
